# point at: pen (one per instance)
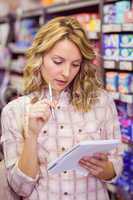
(52, 166)
(51, 99)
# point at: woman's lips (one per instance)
(60, 82)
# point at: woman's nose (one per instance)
(66, 71)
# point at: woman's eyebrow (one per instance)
(57, 56)
(60, 57)
(77, 60)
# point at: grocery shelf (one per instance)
(126, 140)
(4, 19)
(31, 13)
(17, 50)
(116, 28)
(126, 98)
(115, 95)
(110, 1)
(117, 58)
(93, 35)
(118, 65)
(70, 6)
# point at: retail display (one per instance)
(109, 26)
(117, 45)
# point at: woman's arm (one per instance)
(13, 143)
(20, 153)
(28, 161)
(107, 166)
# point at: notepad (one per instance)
(70, 159)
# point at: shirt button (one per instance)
(61, 126)
(63, 148)
(65, 172)
(65, 193)
(58, 107)
(44, 131)
(80, 130)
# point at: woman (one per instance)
(32, 137)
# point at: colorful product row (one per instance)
(125, 181)
(121, 82)
(118, 40)
(91, 22)
(115, 13)
(118, 54)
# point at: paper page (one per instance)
(70, 159)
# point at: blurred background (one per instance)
(109, 26)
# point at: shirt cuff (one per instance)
(118, 166)
(24, 176)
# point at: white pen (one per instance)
(51, 99)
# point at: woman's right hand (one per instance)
(39, 113)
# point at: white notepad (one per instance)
(70, 159)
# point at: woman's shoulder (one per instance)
(16, 104)
(104, 97)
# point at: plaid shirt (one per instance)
(57, 136)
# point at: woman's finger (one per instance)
(91, 167)
(101, 156)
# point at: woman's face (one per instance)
(61, 64)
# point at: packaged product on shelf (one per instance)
(126, 54)
(125, 181)
(47, 2)
(112, 81)
(109, 19)
(111, 40)
(126, 65)
(90, 21)
(17, 82)
(18, 64)
(111, 53)
(109, 14)
(128, 17)
(126, 125)
(109, 9)
(121, 8)
(121, 109)
(94, 23)
(109, 64)
(83, 18)
(126, 40)
(5, 57)
(125, 81)
(4, 33)
(25, 31)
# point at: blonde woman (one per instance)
(60, 56)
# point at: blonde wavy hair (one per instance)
(84, 89)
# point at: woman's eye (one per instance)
(76, 65)
(57, 62)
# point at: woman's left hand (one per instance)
(98, 165)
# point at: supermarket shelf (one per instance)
(126, 140)
(93, 35)
(127, 98)
(37, 12)
(110, 1)
(17, 50)
(4, 19)
(118, 65)
(15, 72)
(70, 6)
(12, 71)
(118, 58)
(115, 95)
(111, 28)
